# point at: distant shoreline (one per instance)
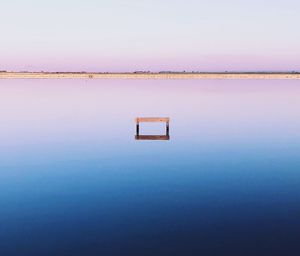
(147, 75)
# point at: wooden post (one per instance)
(137, 128)
(167, 127)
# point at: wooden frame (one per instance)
(139, 120)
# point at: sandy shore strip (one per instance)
(71, 75)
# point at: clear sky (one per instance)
(129, 35)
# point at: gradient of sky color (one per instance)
(118, 35)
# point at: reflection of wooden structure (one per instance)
(152, 137)
(152, 120)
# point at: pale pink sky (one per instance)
(117, 35)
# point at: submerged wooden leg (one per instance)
(167, 128)
(137, 129)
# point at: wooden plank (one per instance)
(152, 119)
(152, 137)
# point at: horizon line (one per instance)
(155, 72)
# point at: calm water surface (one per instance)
(74, 181)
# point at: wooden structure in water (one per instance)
(139, 120)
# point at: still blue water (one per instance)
(74, 181)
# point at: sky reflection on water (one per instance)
(74, 181)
